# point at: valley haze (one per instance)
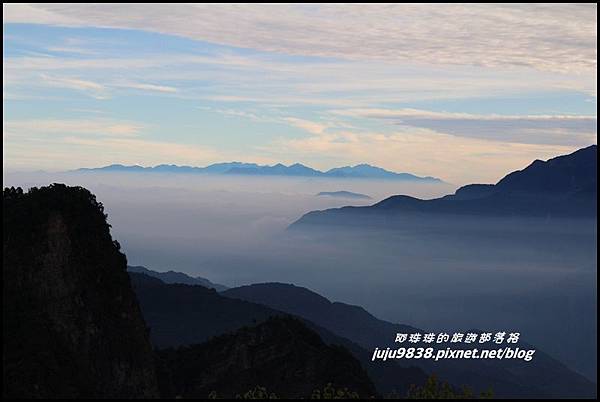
(503, 271)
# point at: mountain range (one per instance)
(362, 171)
(564, 186)
(543, 376)
(180, 315)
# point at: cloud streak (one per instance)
(419, 151)
(550, 37)
(568, 130)
(101, 127)
(147, 87)
(307, 125)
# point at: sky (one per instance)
(466, 93)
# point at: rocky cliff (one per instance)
(71, 324)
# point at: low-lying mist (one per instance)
(183, 221)
(535, 277)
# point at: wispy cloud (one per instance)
(147, 87)
(98, 127)
(310, 126)
(570, 130)
(556, 37)
(408, 113)
(95, 89)
(72, 50)
(67, 144)
(134, 150)
(339, 83)
(250, 115)
(73, 152)
(419, 151)
(307, 125)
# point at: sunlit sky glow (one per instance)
(461, 92)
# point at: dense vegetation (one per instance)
(435, 389)
(282, 354)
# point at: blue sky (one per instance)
(465, 93)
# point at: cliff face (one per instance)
(71, 324)
(280, 354)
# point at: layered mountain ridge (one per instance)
(544, 376)
(182, 315)
(177, 277)
(565, 186)
(362, 171)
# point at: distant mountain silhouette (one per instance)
(362, 171)
(185, 315)
(343, 194)
(544, 376)
(296, 169)
(72, 326)
(564, 186)
(280, 354)
(177, 277)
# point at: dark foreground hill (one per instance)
(565, 186)
(541, 377)
(71, 324)
(181, 315)
(280, 354)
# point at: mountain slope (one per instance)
(71, 324)
(354, 322)
(177, 277)
(184, 315)
(542, 377)
(180, 314)
(280, 354)
(571, 174)
(364, 170)
(564, 186)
